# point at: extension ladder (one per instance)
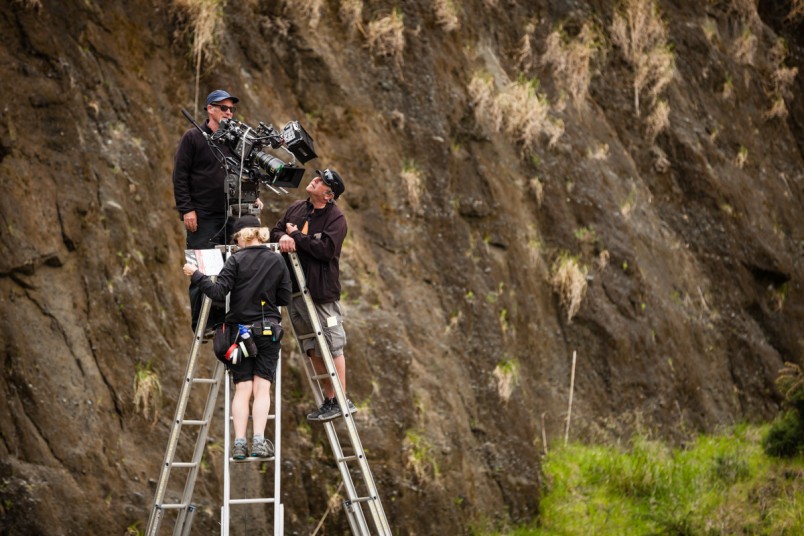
(186, 509)
(370, 497)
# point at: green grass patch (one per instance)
(722, 484)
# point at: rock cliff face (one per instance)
(492, 149)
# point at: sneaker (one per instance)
(262, 449)
(239, 451)
(316, 415)
(334, 410)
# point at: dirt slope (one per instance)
(691, 238)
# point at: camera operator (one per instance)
(199, 180)
(315, 228)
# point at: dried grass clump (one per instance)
(203, 19)
(412, 178)
(746, 47)
(572, 59)
(796, 11)
(524, 54)
(386, 36)
(569, 280)
(506, 374)
(639, 31)
(351, 14)
(147, 391)
(782, 80)
(420, 457)
(518, 109)
(313, 10)
(447, 15)
(658, 120)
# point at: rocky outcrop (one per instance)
(688, 238)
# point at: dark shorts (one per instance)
(263, 365)
(331, 319)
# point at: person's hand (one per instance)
(291, 228)
(258, 203)
(191, 221)
(189, 269)
(287, 244)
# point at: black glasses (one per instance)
(225, 108)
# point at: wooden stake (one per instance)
(544, 435)
(572, 388)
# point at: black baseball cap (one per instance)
(245, 222)
(333, 180)
(219, 95)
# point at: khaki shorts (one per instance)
(331, 319)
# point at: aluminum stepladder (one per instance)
(186, 510)
(370, 497)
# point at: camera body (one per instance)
(253, 165)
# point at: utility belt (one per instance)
(267, 328)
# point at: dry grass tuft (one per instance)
(658, 120)
(351, 14)
(506, 374)
(782, 81)
(203, 19)
(447, 15)
(796, 11)
(572, 59)
(518, 109)
(746, 47)
(524, 53)
(569, 280)
(420, 457)
(412, 178)
(147, 391)
(386, 36)
(313, 10)
(639, 31)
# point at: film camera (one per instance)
(253, 165)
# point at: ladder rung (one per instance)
(183, 464)
(361, 500)
(321, 376)
(173, 506)
(347, 458)
(205, 380)
(265, 500)
(195, 422)
(252, 459)
(308, 336)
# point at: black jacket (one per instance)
(320, 249)
(251, 274)
(199, 177)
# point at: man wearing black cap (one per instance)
(199, 188)
(315, 229)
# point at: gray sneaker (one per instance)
(334, 410)
(262, 449)
(239, 451)
(325, 407)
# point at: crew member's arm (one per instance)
(279, 234)
(218, 289)
(324, 248)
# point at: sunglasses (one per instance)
(225, 108)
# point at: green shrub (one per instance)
(785, 439)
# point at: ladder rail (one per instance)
(375, 505)
(157, 512)
(198, 453)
